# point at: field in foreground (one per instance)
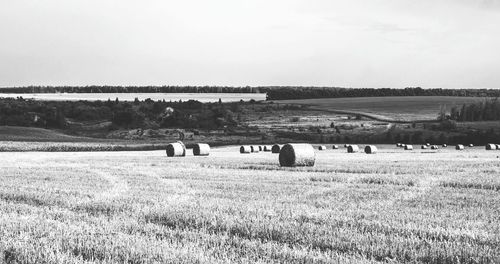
(403, 108)
(142, 207)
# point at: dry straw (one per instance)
(335, 147)
(201, 149)
(491, 147)
(177, 149)
(245, 149)
(254, 149)
(352, 149)
(408, 147)
(276, 149)
(297, 155)
(460, 147)
(434, 147)
(423, 147)
(371, 149)
(322, 148)
(268, 148)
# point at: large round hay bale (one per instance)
(267, 148)
(177, 149)
(498, 146)
(399, 145)
(459, 147)
(408, 147)
(352, 149)
(423, 147)
(444, 146)
(335, 147)
(322, 148)
(434, 147)
(491, 147)
(297, 155)
(371, 149)
(471, 145)
(245, 150)
(201, 149)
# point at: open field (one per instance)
(202, 97)
(390, 108)
(142, 207)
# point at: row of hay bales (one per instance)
(178, 149)
(492, 146)
(435, 147)
(256, 149)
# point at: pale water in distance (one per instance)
(202, 97)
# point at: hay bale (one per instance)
(491, 147)
(297, 155)
(322, 148)
(335, 147)
(399, 145)
(201, 149)
(471, 145)
(261, 148)
(276, 148)
(498, 146)
(245, 150)
(444, 146)
(352, 149)
(255, 149)
(434, 147)
(423, 147)
(459, 147)
(177, 149)
(268, 148)
(403, 145)
(346, 145)
(427, 144)
(408, 147)
(371, 149)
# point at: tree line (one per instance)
(487, 110)
(130, 89)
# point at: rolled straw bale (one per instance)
(399, 145)
(408, 147)
(297, 155)
(434, 147)
(276, 149)
(245, 149)
(322, 148)
(177, 149)
(444, 146)
(352, 149)
(261, 148)
(471, 145)
(335, 147)
(201, 149)
(423, 147)
(255, 149)
(371, 149)
(491, 147)
(459, 147)
(268, 148)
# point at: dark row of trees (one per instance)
(148, 113)
(130, 89)
(487, 110)
(288, 93)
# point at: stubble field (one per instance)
(142, 207)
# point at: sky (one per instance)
(343, 43)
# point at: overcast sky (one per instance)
(349, 43)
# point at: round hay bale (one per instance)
(408, 147)
(444, 146)
(352, 149)
(398, 145)
(498, 146)
(177, 149)
(322, 148)
(268, 148)
(261, 148)
(201, 149)
(459, 147)
(427, 144)
(346, 145)
(491, 147)
(371, 149)
(434, 147)
(335, 147)
(471, 145)
(297, 155)
(423, 147)
(276, 148)
(245, 150)
(403, 145)
(255, 149)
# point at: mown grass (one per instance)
(142, 207)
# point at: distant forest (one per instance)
(273, 92)
(488, 110)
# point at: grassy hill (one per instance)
(402, 108)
